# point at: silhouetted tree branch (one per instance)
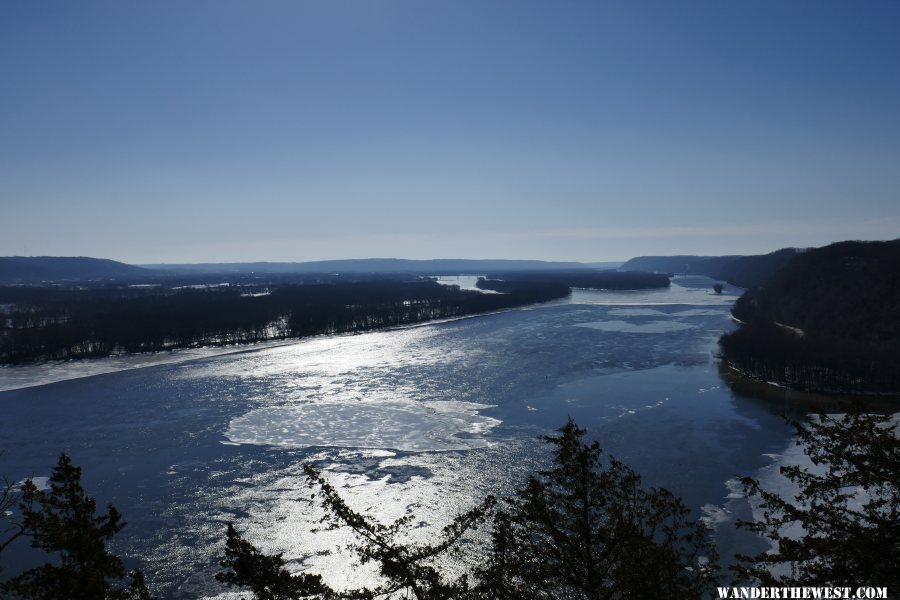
(844, 525)
(12, 529)
(583, 529)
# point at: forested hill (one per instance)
(829, 320)
(32, 269)
(742, 271)
(679, 265)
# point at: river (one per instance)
(423, 420)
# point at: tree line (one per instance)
(49, 323)
(584, 528)
(771, 353)
(580, 278)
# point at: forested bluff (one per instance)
(823, 320)
(827, 321)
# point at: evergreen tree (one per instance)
(62, 521)
(848, 508)
(588, 529)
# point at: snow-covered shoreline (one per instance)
(15, 377)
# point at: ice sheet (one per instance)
(406, 426)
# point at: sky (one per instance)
(222, 131)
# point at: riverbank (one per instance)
(795, 404)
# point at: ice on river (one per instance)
(625, 326)
(406, 426)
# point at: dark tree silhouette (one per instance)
(587, 528)
(62, 521)
(848, 508)
(10, 529)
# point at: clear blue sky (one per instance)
(187, 131)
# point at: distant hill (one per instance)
(754, 271)
(828, 320)
(679, 265)
(604, 265)
(372, 265)
(742, 271)
(34, 269)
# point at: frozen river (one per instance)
(424, 419)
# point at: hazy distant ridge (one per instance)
(373, 265)
(31, 269)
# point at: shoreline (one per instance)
(745, 385)
(43, 372)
